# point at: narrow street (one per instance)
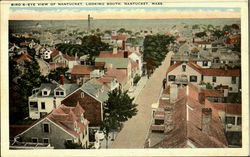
(135, 130)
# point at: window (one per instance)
(43, 105)
(159, 122)
(45, 93)
(183, 68)
(193, 78)
(239, 121)
(205, 63)
(214, 79)
(33, 106)
(233, 79)
(230, 120)
(45, 140)
(45, 127)
(202, 77)
(82, 94)
(34, 140)
(61, 93)
(171, 78)
(57, 93)
(69, 140)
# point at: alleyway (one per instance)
(135, 130)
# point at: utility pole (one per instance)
(89, 18)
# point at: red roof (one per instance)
(119, 37)
(172, 67)
(207, 72)
(105, 79)
(66, 117)
(110, 54)
(69, 58)
(54, 53)
(120, 75)
(24, 57)
(203, 42)
(221, 72)
(212, 93)
(190, 63)
(82, 69)
(190, 128)
(229, 108)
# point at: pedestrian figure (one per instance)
(164, 83)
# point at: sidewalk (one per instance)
(137, 89)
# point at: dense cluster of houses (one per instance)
(189, 114)
(84, 87)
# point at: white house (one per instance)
(181, 73)
(69, 61)
(47, 53)
(47, 97)
(217, 77)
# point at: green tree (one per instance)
(201, 34)
(55, 74)
(121, 30)
(117, 109)
(156, 49)
(218, 33)
(108, 32)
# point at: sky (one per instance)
(80, 13)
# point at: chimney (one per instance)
(115, 50)
(62, 79)
(187, 90)
(193, 40)
(54, 102)
(201, 97)
(206, 119)
(173, 93)
(125, 54)
(123, 45)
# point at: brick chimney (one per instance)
(206, 119)
(54, 102)
(125, 54)
(201, 97)
(173, 93)
(62, 79)
(123, 45)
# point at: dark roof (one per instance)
(189, 128)
(52, 86)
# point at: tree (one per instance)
(201, 34)
(55, 74)
(156, 49)
(218, 33)
(117, 109)
(121, 30)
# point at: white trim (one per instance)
(42, 121)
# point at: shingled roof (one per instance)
(187, 126)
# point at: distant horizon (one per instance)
(81, 13)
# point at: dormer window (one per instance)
(45, 92)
